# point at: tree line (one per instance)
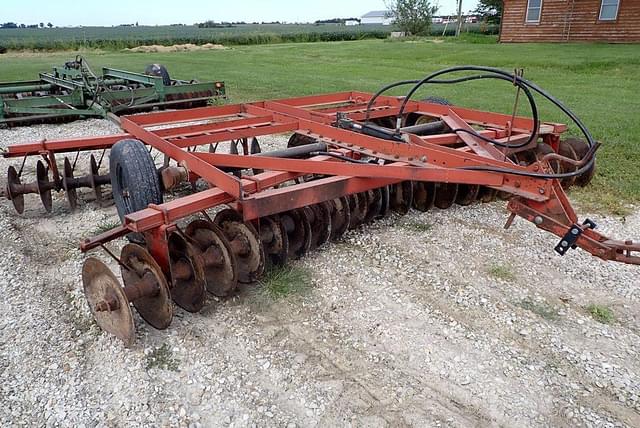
(15, 25)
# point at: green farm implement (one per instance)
(74, 91)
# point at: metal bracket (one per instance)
(571, 237)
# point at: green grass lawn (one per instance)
(600, 82)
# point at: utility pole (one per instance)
(459, 27)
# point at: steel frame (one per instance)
(432, 158)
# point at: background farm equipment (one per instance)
(74, 91)
(351, 158)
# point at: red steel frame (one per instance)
(435, 158)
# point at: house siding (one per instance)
(570, 20)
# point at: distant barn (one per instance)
(615, 21)
(377, 17)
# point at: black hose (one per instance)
(532, 104)
(523, 84)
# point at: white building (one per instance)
(377, 17)
(351, 22)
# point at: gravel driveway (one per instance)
(432, 319)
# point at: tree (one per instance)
(50, 25)
(459, 26)
(412, 16)
(490, 10)
(42, 25)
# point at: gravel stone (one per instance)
(401, 327)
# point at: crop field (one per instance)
(247, 34)
(599, 82)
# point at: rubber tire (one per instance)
(158, 70)
(132, 167)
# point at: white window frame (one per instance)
(531, 21)
(610, 3)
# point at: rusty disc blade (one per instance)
(72, 196)
(274, 240)
(424, 195)
(401, 197)
(155, 309)
(320, 224)
(565, 149)
(487, 194)
(467, 194)
(101, 285)
(298, 229)
(340, 217)
(581, 148)
(446, 194)
(384, 203)
(220, 264)
(188, 285)
(544, 149)
(97, 189)
(358, 208)
(43, 181)
(374, 204)
(14, 180)
(245, 243)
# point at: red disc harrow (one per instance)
(351, 158)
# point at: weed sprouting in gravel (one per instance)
(600, 313)
(106, 225)
(542, 309)
(162, 358)
(502, 272)
(416, 226)
(282, 282)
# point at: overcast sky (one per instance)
(161, 12)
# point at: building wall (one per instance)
(376, 20)
(570, 20)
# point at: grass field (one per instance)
(600, 82)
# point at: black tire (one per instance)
(134, 179)
(158, 70)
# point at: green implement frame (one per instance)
(74, 91)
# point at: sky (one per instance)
(163, 12)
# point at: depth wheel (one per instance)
(134, 179)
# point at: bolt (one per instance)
(541, 190)
(423, 159)
(517, 184)
(564, 243)
(574, 231)
(538, 220)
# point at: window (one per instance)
(534, 7)
(609, 10)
